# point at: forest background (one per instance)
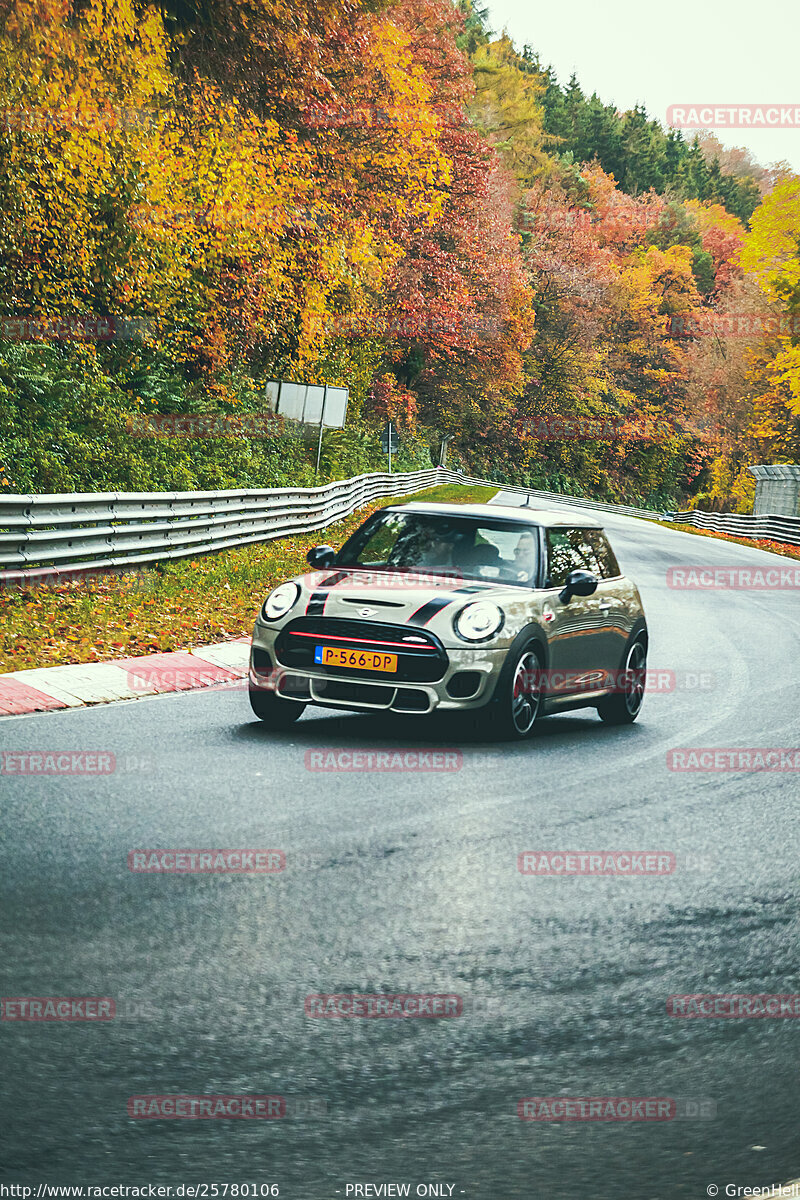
(201, 196)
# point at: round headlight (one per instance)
(278, 603)
(479, 621)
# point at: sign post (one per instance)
(389, 442)
(321, 420)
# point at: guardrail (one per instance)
(773, 528)
(648, 514)
(52, 535)
(45, 536)
(764, 526)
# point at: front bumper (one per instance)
(472, 671)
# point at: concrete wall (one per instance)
(777, 490)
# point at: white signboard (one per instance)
(304, 402)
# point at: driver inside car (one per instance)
(525, 558)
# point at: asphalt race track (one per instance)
(408, 882)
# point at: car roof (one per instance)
(524, 516)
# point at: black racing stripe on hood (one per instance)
(431, 607)
(316, 601)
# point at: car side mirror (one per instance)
(578, 583)
(321, 556)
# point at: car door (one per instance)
(615, 620)
(574, 629)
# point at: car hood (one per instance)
(394, 597)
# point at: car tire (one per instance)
(516, 704)
(272, 710)
(623, 707)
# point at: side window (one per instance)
(569, 550)
(609, 567)
(381, 540)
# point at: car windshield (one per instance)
(504, 551)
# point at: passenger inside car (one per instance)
(436, 550)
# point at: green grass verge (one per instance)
(172, 606)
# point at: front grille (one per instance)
(407, 700)
(421, 657)
(347, 692)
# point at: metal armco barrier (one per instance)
(625, 510)
(773, 528)
(43, 536)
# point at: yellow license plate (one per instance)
(360, 660)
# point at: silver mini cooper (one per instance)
(511, 613)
